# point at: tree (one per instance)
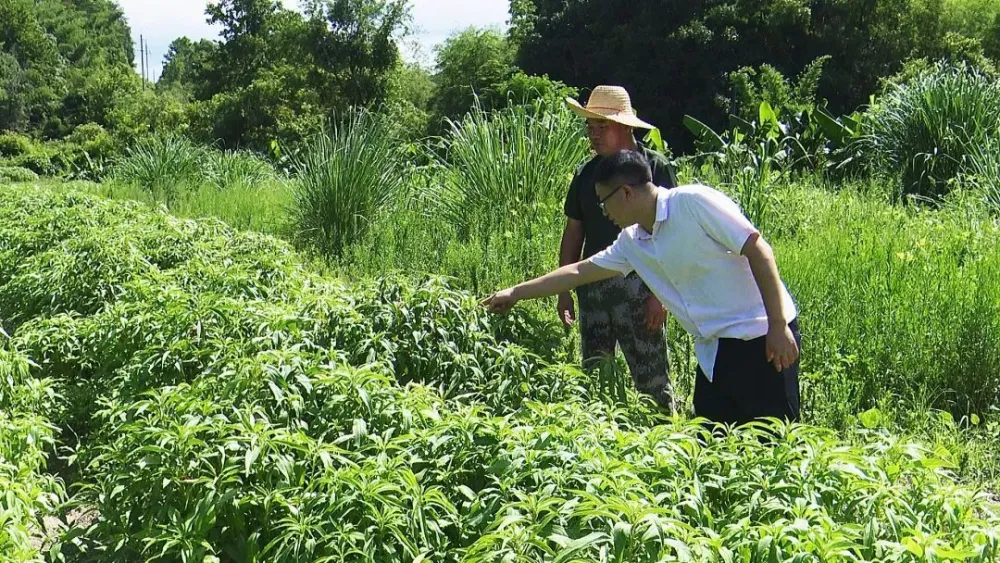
(674, 56)
(468, 63)
(278, 73)
(409, 99)
(353, 45)
(31, 70)
(971, 18)
(247, 27)
(13, 107)
(188, 65)
(89, 33)
(991, 43)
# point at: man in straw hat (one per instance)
(618, 310)
(704, 259)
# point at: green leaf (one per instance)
(250, 457)
(467, 492)
(767, 116)
(911, 545)
(578, 544)
(833, 129)
(499, 466)
(704, 133)
(655, 140)
(871, 418)
(946, 418)
(948, 552)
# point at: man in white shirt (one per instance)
(713, 271)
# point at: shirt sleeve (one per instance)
(614, 257)
(721, 218)
(572, 207)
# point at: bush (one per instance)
(347, 177)
(12, 144)
(38, 162)
(81, 154)
(504, 168)
(15, 174)
(163, 165)
(525, 89)
(922, 130)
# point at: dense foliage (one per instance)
(675, 55)
(231, 405)
(276, 75)
(194, 390)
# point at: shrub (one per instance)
(923, 129)
(16, 174)
(12, 144)
(347, 177)
(164, 165)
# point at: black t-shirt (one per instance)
(582, 203)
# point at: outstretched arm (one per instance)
(559, 281)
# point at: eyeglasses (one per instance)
(607, 197)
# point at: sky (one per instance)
(161, 21)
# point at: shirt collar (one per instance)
(661, 215)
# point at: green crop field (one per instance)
(224, 403)
(241, 306)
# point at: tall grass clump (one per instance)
(170, 166)
(501, 180)
(347, 177)
(238, 187)
(925, 128)
(981, 173)
(233, 169)
(507, 168)
(163, 165)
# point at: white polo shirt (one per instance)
(692, 263)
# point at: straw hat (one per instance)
(609, 102)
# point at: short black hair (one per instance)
(624, 167)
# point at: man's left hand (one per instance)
(781, 349)
(656, 315)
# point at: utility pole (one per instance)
(142, 62)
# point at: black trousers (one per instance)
(745, 386)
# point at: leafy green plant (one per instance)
(924, 129)
(27, 439)
(15, 174)
(251, 410)
(751, 160)
(163, 165)
(346, 178)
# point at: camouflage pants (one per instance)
(614, 311)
